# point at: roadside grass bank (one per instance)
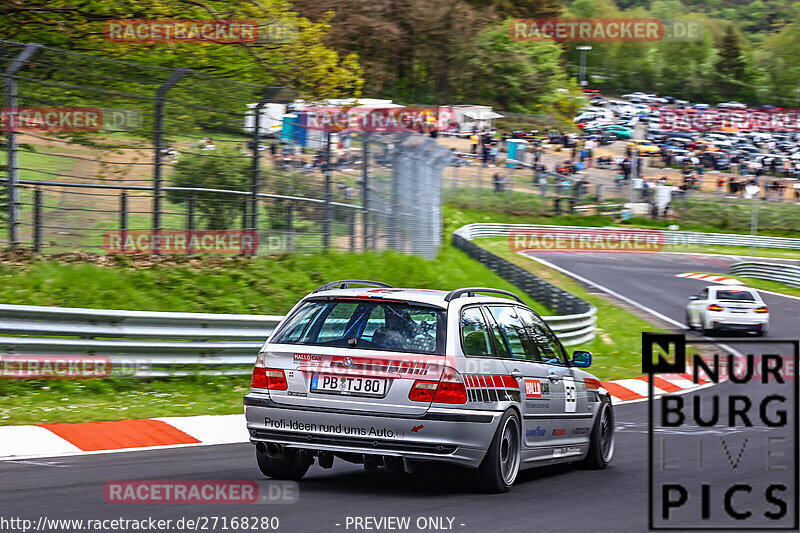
(266, 285)
(456, 217)
(705, 214)
(617, 348)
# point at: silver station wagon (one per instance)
(390, 378)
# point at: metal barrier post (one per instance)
(326, 226)
(190, 214)
(255, 178)
(289, 228)
(123, 218)
(365, 191)
(158, 137)
(352, 217)
(37, 219)
(12, 162)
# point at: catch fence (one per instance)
(170, 150)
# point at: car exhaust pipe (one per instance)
(392, 465)
(274, 450)
(409, 466)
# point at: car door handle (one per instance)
(553, 377)
(516, 374)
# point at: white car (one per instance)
(727, 308)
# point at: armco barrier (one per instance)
(148, 344)
(576, 319)
(786, 274)
(670, 238)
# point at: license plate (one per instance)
(348, 385)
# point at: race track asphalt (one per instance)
(543, 500)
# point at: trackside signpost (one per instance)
(724, 457)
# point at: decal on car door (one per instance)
(570, 394)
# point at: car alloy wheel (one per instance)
(509, 450)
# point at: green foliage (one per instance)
(218, 169)
(516, 76)
(299, 60)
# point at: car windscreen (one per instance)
(739, 296)
(366, 325)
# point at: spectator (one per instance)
(473, 140)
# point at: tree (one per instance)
(409, 49)
(299, 59)
(212, 170)
(516, 76)
(523, 8)
(730, 67)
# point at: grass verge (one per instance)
(617, 348)
(266, 285)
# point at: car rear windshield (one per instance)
(739, 296)
(366, 325)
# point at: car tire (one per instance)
(707, 332)
(288, 468)
(601, 444)
(500, 466)
(689, 323)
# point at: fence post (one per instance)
(37, 219)
(365, 191)
(190, 217)
(328, 211)
(245, 204)
(11, 143)
(158, 138)
(352, 229)
(289, 228)
(123, 218)
(255, 178)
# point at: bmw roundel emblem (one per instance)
(347, 362)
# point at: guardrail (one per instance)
(152, 344)
(670, 238)
(577, 319)
(786, 274)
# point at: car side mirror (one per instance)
(694, 297)
(581, 359)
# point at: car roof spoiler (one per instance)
(470, 291)
(344, 283)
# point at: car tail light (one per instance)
(423, 391)
(267, 378)
(715, 307)
(449, 389)
(762, 309)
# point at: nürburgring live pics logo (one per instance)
(725, 457)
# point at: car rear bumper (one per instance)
(445, 435)
(738, 322)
